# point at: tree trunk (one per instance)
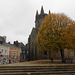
(62, 54)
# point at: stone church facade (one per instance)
(35, 53)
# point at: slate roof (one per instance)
(12, 45)
(2, 39)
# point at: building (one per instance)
(14, 53)
(4, 51)
(4, 54)
(24, 56)
(9, 53)
(35, 53)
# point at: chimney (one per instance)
(16, 43)
(8, 42)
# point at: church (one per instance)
(35, 53)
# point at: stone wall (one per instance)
(68, 53)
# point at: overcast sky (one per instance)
(17, 17)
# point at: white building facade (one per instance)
(4, 54)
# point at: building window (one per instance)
(18, 50)
(15, 54)
(18, 54)
(23, 51)
(1, 50)
(5, 51)
(13, 61)
(18, 61)
(45, 52)
(27, 52)
(11, 54)
(21, 56)
(24, 57)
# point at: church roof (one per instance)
(40, 16)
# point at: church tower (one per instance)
(39, 18)
(33, 48)
(42, 10)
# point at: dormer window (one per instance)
(1, 50)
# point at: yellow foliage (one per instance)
(56, 32)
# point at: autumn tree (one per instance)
(72, 34)
(55, 33)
